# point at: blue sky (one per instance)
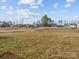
(33, 10)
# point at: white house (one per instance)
(77, 24)
(73, 26)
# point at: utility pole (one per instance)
(22, 22)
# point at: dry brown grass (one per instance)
(48, 44)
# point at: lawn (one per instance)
(52, 44)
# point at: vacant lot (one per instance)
(40, 44)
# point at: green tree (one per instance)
(60, 22)
(6, 24)
(45, 20)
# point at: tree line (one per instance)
(44, 22)
(48, 22)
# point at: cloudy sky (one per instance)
(33, 10)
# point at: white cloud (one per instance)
(25, 13)
(3, 7)
(31, 2)
(35, 7)
(70, 1)
(39, 2)
(55, 5)
(26, 1)
(76, 16)
(10, 7)
(67, 5)
(3, 0)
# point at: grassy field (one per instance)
(40, 44)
